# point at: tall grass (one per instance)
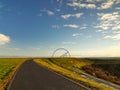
(7, 66)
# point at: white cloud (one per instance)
(83, 27)
(55, 26)
(104, 26)
(108, 16)
(4, 39)
(116, 27)
(66, 43)
(76, 4)
(50, 13)
(93, 4)
(66, 16)
(107, 4)
(114, 37)
(106, 37)
(116, 32)
(118, 8)
(78, 15)
(71, 26)
(108, 20)
(36, 48)
(93, 1)
(60, 5)
(9, 48)
(109, 25)
(99, 30)
(76, 34)
(57, 9)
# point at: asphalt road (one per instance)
(31, 76)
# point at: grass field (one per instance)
(70, 63)
(65, 67)
(107, 60)
(7, 69)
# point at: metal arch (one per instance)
(67, 52)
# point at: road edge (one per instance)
(13, 77)
(69, 79)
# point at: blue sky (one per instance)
(38, 27)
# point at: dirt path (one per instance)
(31, 76)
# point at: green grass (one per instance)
(70, 63)
(7, 65)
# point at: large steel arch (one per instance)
(65, 54)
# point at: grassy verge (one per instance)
(65, 69)
(8, 66)
(105, 68)
(70, 63)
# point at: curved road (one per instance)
(31, 76)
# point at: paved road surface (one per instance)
(31, 76)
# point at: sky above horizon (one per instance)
(38, 27)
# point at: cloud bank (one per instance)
(4, 39)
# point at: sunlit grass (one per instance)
(70, 63)
(7, 68)
(65, 69)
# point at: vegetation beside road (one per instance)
(8, 66)
(105, 68)
(65, 67)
